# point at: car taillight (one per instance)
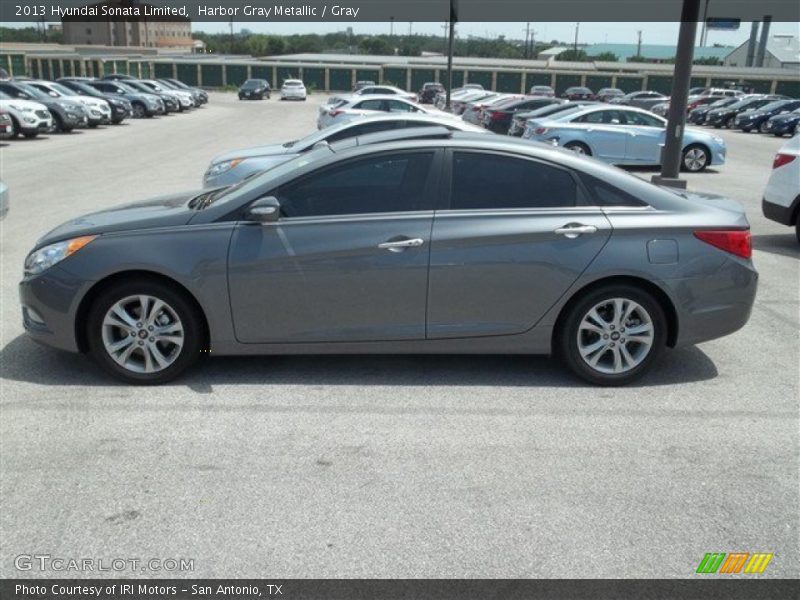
(335, 112)
(540, 130)
(782, 159)
(735, 241)
(495, 116)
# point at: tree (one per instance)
(607, 57)
(573, 55)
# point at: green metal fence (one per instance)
(234, 74)
(314, 78)
(391, 76)
(660, 83)
(420, 77)
(484, 78)
(566, 80)
(630, 84)
(509, 82)
(187, 73)
(598, 82)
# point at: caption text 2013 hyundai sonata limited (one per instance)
(421, 242)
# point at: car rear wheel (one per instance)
(613, 335)
(695, 158)
(144, 332)
(797, 229)
(578, 148)
(139, 111)
(764, 127)
(730, 122)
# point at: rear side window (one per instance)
(494, 181)
(606, 195)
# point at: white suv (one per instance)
(28, 118)
(293, 89)
(781, 200)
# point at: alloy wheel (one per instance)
(615, 336)
(695, 159)
(142, 334)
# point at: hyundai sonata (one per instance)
(425, 242)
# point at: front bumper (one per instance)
(49, 304)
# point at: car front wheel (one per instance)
(578, 148)
(144, 332)
(613, 335)
(695, 158)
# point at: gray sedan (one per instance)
(427, 242)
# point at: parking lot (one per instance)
(412, 466)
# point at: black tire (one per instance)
(578, 147)
(139, 110)
(763, 127)
(690, 166)
(566, 341)
(797, 229)
(192, 321)
(93, 125)
(14, 128)
(746, 130)
(780, 135)
(31, 135)
(730, 122)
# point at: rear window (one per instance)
(606, 195)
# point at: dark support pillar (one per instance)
(451, 35)
(671, 157)
(751, 44)
(762, 46)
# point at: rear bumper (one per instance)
(713, 307)
(779, 213)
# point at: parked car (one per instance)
(385, 90)
(27, 118)
(441, 97)
(198, 96)
(231, 167)
(143, 103)
(526, 121)
(67, 114)
(726, 116)
(5, 200)
(716, 91)
(428, 92)
(169, 99)
(255, 89)
(497, 118)
(756, 118)
(6, 125)
(336, 251)
(201, 94)
(119, 77)
(644, 99)
(781, 202)
(702, 100)
(357, 107)
(542, 90)
(780, 125)
(607, 94)
(459, 105)
(697, 116)
(184, 97)
(624, 135)
(293, 89)
(121, 107)
(472, 112)
(363, 83)
(97, 110)
(578, 93)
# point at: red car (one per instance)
(6, 125)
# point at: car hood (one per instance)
(252, 152)
(785, 117)
(163, 211)
(8, 102)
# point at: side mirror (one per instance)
(264, 210)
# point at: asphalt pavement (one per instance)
(412, 466)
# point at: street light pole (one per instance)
(450, 54)
(673, 147)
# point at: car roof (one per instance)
(360, 98)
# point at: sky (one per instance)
(588, 33)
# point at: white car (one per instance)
(293, 89)
(781, 201)
(385, 90)
(29, 118)
(185, 97)
(358, 106)
(98, 109)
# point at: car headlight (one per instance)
(47, 256)
(222, 167)
(718, 140)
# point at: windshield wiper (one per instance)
(290, 144)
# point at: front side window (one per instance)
(634, 118)
(495, 181)
(378, 184)
(397, 106)
(371, 105)
(609, 117)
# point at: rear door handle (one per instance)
(572, 231)
(400, 245)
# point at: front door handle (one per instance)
(400, 245)
(574, 230)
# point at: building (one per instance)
(132, 31)
(783, 52)
(653, 53)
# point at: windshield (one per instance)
(743, 103)
(257, 180)
(153, 85)
(721, 103)
(134, 86)
(32, 91)
(253, 83)
(87, 90)
(775, 105)
(62, 89)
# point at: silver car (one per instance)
(421, 243)
(235, 165)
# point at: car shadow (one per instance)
(655, 169)
(783, 244)
(24, 360)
